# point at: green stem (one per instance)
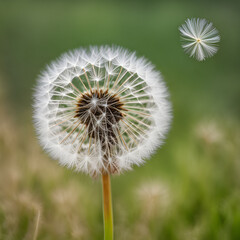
(107, 207)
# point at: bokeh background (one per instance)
(190, 189)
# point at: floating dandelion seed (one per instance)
(101, 111)
(200, 38)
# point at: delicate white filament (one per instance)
(126, 121)
(199, 38)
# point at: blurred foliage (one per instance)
(189, 189)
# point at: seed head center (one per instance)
(100, 111)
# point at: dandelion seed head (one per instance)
(154, 198)
(199, 38)
(101, 110)
(209, 132)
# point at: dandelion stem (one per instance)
(107, 207)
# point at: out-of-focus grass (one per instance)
(196, 196)
(189, 189)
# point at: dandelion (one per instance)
(199, 38)
(153, 196)
(209, 132)
(100, 111)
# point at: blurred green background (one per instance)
(190, 189)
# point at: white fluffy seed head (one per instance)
(199, 38)
(101, 110)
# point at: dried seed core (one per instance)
(100, 111)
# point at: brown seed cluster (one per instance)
(100, 111)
